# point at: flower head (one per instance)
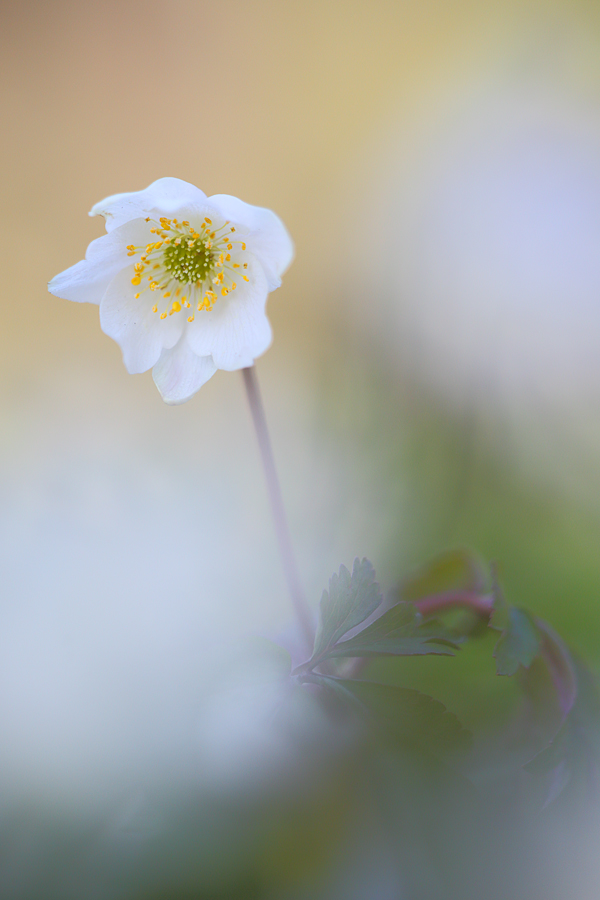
(182, 281)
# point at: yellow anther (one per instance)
(224, 291)
(243, 246)
(190, 318)
(177, 241)
(220, 262)
(232, 228)
(137, 296)
(233, 285)
(136, 279)
(156, 266)
(148, 219)
(185, 223)
(213, 234)
(155, 308)
(130, 247)
(245, 265)
(183, 299)
(176, 306)
(245, 277)
(168, 294)
(236, 265)
(228, 257)
(131, 253)
(158, 245)
(206, 219)
(163, 315)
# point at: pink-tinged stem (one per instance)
(282, 531)
(479, 603)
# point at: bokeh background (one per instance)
(434, 379)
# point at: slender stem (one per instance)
(299, 603)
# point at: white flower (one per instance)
(182, 281)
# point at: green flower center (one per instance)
(190, 268)
(188, 261)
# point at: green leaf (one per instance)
(456, 570)
(351, 599)
(518, 644)
(412, 718)
(401, 631)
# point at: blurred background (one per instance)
(434, 382)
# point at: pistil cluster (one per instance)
(189, 267)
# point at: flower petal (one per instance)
(268, 238)
(179, 373)
(164, 197)
(236, 330)
(140, 333)
(86, 281)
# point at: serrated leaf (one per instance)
(456, 570)
(518, 644)
(401, 631)
(413, 718)
(350, 600)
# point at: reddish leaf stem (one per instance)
(479, 603)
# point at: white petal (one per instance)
(86, 281)
(179, 373)
(165, 197)
(140, 333)
(267, 237)
(237, 330)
